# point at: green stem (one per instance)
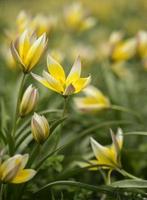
(63, 114)
(109, 177)
(16, 116)
(126, 174)
(65, 105)
(1, 191)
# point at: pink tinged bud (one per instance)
(29, 101)
(40, 128)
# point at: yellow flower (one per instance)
(22, 21)
(142, 44)
(109, 156)
(125, 50)
(28, 101)
(40, 128)
(76, 19)
(93, 101)
(12, 170)
(57, 81)
(116, 37)
(42, 24)
(27, 50)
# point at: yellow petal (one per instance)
(23, 176)
(55, 69)
(24, 161)
(119, 137)
(24, 44)
(81, 84)
(75, 72)
(35, 52)
(53, 82)
(103, 154)
(43, 81)
(9, 165)
(126, 50)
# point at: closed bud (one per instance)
(40, 128)
(28, 101)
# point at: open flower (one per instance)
(125, 50)
(12, 170)
(57, 81)
(40, 128)
(27, 50)
(76, 18)
(108, 157)
(94, 100)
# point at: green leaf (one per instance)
(4, 116)
(130, 184)
(136, 133)
(56, 124)
(100, 189)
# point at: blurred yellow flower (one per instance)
(125, 50)
(142, 44)
(27, 50)
(7, 55)
(94, 100)
(12, 170)
(38, 24)
(109, 156)
(40, 128)
(116, 37)
(57, 81)
(28, 101)
(22, 21)
(57, 54)
(43, 24)
(76, 19)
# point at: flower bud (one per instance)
(40, 128)
(28, 101)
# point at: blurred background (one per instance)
(107, 35)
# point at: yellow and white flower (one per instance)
(57, 81)
(28, 101)
(76, 19)
(93, 101)
(12, 170)
(27, 50)
(43, 24)
(40, 128)
(125, 50)
(108, 157)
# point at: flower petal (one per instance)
(24, 44)
(15, 53)
(55, 69)
(69, 90)
(81, 83)
(75, 72)
(10, 167)
(55, 84)
(43, 81)
(23, 176)
(35, 52)
(103, 154)
(119, 137)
